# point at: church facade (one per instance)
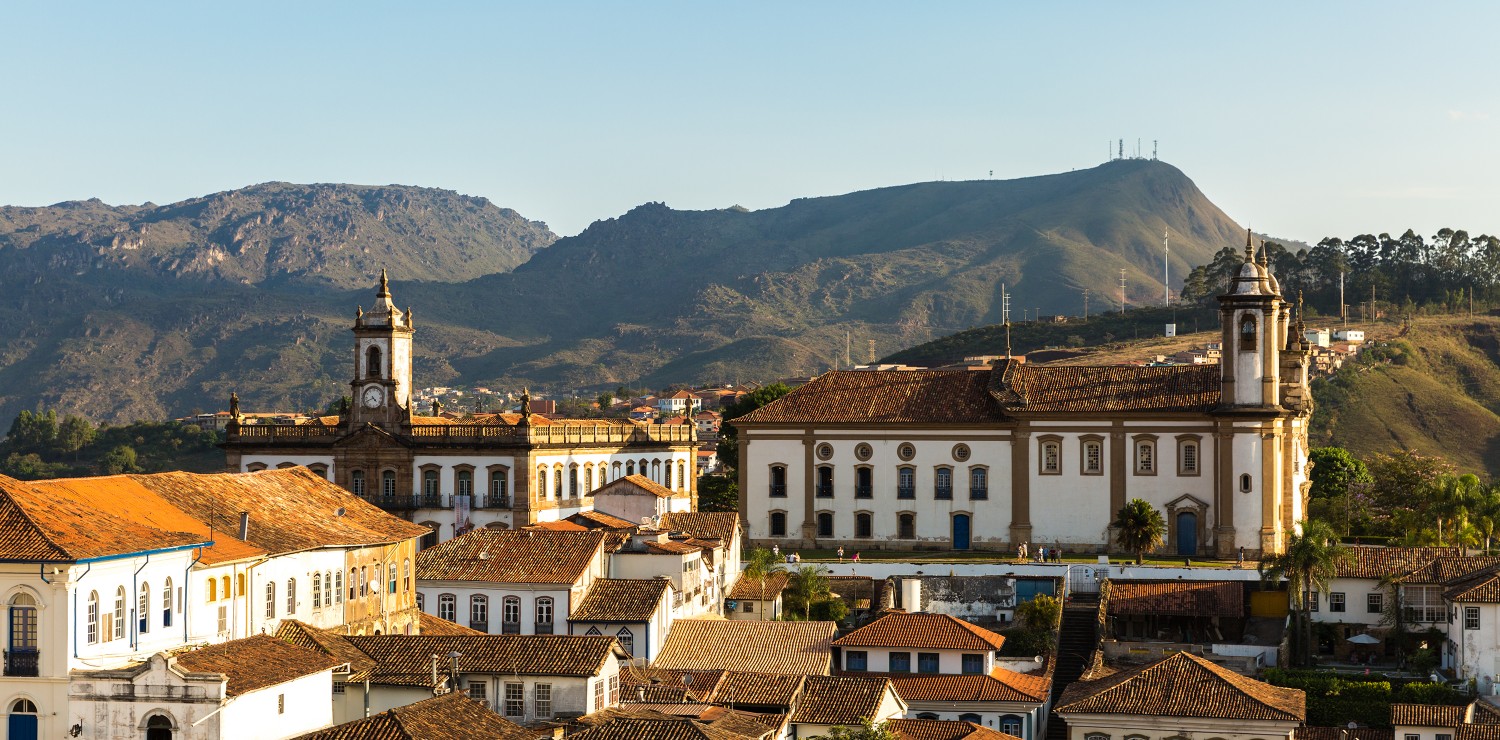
(1010, 454)
(498, 470)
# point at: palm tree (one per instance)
(1310, 559)
(760, 565)
(1140, 528)
(807, 585)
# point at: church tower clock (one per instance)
(381, 389)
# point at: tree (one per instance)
(1042, 612)
(121, 459)
(1310, 559)
(1140, 528)
(830, 610)
(760, 565)
(806, 586)
(866, 731)
(605, 400)
(1334, 469)
(33, 432)
(729, 449)
(718, 493)
(74, 434)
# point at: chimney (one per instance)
(245, 526)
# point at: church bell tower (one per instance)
(1254, 321)
(381, 388)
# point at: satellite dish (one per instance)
(687, 679)
(340, 511)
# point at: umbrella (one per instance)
(1365, 640)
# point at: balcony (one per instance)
(394, 503)
(778, 490)
(825, 490)
(510, 628)
(544, 628)
(980, 493)
(942, 492)
(492, 502)
(481, 626)
(906, 491)
(864, 491)
(21, 662)
(432, 501)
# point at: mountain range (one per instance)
(124, 312)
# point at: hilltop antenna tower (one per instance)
(1085, 302)
(872, 352)
(1122, 290)
(1343, 308)
(1005, 317)
(1122, 149)
(1153, 150)
(847, 361)
(1166, 268)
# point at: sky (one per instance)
(1304, 120)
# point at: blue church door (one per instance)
(1187, 533)
(960, 531)
(21, 727)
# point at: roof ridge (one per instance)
(37, 528)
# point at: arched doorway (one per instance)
(960, 531)
(159, 728)
(21, 657)
(22, 722)
(1187, 533)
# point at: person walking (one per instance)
(841, 553)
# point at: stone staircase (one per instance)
(1078, 640)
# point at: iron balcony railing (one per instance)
(825, 490)
(864, 491)
(22, 662)
(906, 491)
(981, 492)
(943, 492)
(778, 490)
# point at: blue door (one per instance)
(21, 727)
(1187, 533)
(960, 531)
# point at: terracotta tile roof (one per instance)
(1428, 715)
(1109, 388)
(1177, 598)
(937, 631)
(254, 662)
(558, 526)
(431, 625)
(1445, 570)
(632, 484)
(671, 548)
(840, 700)
(77, 518)
(886, 396)
(708, 525)
(1183, 685)
(452, 716)
(1484, 713)
(999, 685)
(939, 729)
(1342, 733)
(662, 682)
(1477, 732)
(511, 556)
(407, 660)
(1477, 588)
(621, 600)
(328, 643)
(758, 689)
(593, 519)
(796, 648)
(290, 510)
(659, 727)
(1369, 561)
(750, 589)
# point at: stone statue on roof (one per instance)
(234, 406)
(525, 405)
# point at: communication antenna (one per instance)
(1343, 309)
(847, 363)
(1137, 147)
(1153, 150)
(1122, 290)
(872, 352)
(1166, 269)
(1085, 302)
(1005, 317)
(1122, 148)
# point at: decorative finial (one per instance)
(359, 312)
(385, 286)
(1249, 248)
(1264, 261)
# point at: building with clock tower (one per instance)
(498, 469)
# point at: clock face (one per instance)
(373, 396)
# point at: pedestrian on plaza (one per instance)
(776, 550)
(856, 557)
(841, 553)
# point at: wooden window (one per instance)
(778, 481)
(1145, 454)
(1092, 450)
(447, 606)
(906, 482)
(93, 617)
(778, 524)
(357, 482)
(1188, 455)
(825, 524)
(942, 488)
(271, 600)
(979, 483)
(863, 525)
(388, 484)
(906, 526)
(1050, 452)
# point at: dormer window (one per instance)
(1247, 334)
(372, 362)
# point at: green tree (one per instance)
(718, 493)
(1042, 612)
(760, 565)
(806, 586)
(830, 610)
(1309, 560)
(121, 459)
(74, 434)
(1334, 469)
(1139, 528)
(605, 400)
(866, 731)
(33, 432)
(729, 449)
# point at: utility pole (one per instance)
(1122, 290)
(1166, 269)
(847, 360)
(1085, 303)
(872, 352)
(1343, 307)
(1005, 317)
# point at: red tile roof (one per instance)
(794, 648)
(938, 729)
(254, 663)
(511, 556)
(1342, 733)
(621, 600)
(1477, 732)
(1177, 598)
(407, 660)
(558, 526)
(1370, 561)
(1428, 715)
(999, 685)
(593, 519)
(934, 631)
(710, 525)
(886, 396)
(1183, 685)
(73, 519)
(452, 716)
(840, 700)
(758, 689)
(750, 589)
(633, 484)
(1109, 388)
(662, 682)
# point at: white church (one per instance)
(993, 457)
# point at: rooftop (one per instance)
(1428, 715)
(636, 484)
(935, 631)
(621, 600)
(938, 729)
(999, 685)
(452, 716)
(707, 525)
(794, 648)
(750, 589)
(1373, 561)
(407, 660)
(511, 556)
(254, 663)
(758, 689)
(840, 700)
(1183, 685)
(1177, 598)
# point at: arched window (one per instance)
(317, 590)
(778, 524)
(824, 484)
(970, 717)
(927, 715)
(357, 482)
(23, 720)
(320, 470)
(1245, 483)
(1145, 458)
(825, 524)
(979, 483)
(906, 482)
(270, 600)
(464, 482)
(1093, 457)
(119, 612)
(364, 580)
(943, 484)
(372, 362)
(541, 481)
(667, 480)
(391, 577)
(573, 481)
(421, 602)
(588, 477)
(862, 524)
(239, 585)
(510, 615)
(682, 481)
(499, 487)
(159, 728)
(213, 590)
(778, 481)
(291, 596)
(93, 618)
(615, 471)
(447, 605)
(1011, 724)
(353, 582)
(388, 484)
(1051, 458)
(655, 470)
(328, 589)
(430, 483)
(166, 603)
(906, 526)
(224, 582)
(627, 639)
(23, 636)
(479, 613)
(143, 609)
(1187, 458)
(544, 615)
(1247, 333)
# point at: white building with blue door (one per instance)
(1007, 454)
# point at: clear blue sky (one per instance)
(1303, 119)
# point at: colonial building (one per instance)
(501, 470)
(996, 456)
